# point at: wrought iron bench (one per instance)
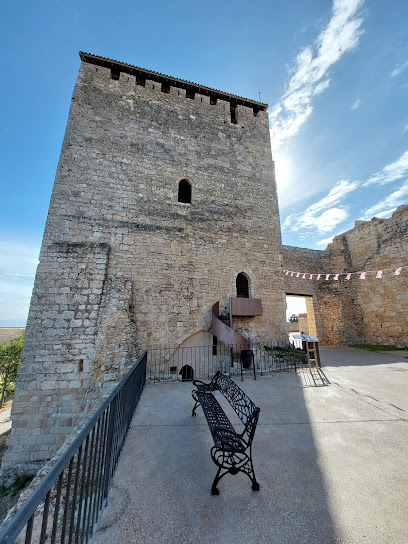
(232, 451)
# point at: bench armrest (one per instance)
(202, 386)
(228, 438)
(199, 382)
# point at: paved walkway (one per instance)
(5, 419)
(331, 461)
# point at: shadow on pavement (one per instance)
(162, 489)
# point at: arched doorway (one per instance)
(184, 191)
(242, 286)
(187, 373)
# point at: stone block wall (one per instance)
(124, 266)
(303, 324)
(379, 244)
(357, 311)
(126, 149)
(65, 368)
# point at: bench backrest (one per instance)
(240, 403)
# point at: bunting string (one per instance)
(362, 275)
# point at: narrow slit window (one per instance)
(242, 286)
(233, 108)
(184, 192)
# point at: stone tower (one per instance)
(164, 196)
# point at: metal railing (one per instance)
(202, 362)
(69, 500)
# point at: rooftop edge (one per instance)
(175, 82)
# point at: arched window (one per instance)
(242, 286)
(184, 191)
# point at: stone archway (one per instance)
(187, 373)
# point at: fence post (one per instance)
(109, 447)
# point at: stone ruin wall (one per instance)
(303, 325)
(124, 266)
(371, 311)
(380, 244)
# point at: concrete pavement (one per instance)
(331, 461)
(5, 419)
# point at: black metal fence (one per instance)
(69, 500)
(202, 362)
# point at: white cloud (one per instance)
(341, 34)
(326, 241)
(400, 68)
(334, 196)
(356, 104)
(392, 172)
(19, 275)
(329, 219)
(388, 205)
(405, 129)
(325, 214)
(288, 221)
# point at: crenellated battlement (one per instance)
(126, 78)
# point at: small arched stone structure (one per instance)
(187, 373)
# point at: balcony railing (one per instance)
(245, 307)
(202, 362)
(69, 500)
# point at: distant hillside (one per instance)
(8, 333)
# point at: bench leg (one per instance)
(218, 476)
(249, 471)
(214, 490)
(232, 464)
(195, 408)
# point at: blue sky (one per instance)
(335, 76)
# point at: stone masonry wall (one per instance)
(64, 370)
(357, 311)
(153, 266)
(125, 151)
(379, 244)
(58, 350)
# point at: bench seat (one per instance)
(220, 426)
(232, 451)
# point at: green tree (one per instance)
(10, 353)
(293, 318)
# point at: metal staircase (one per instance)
(221, 327)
